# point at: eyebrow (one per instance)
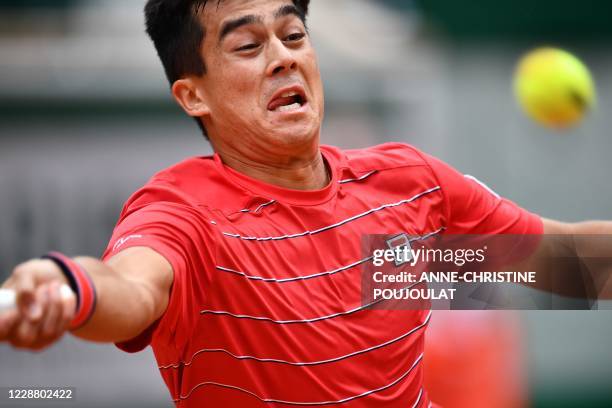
(233, 25)
(288, 10)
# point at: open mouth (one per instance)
(287, 101)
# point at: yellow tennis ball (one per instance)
(554, 87)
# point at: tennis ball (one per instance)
(554, 87)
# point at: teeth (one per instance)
(288, 94)
(286, 108)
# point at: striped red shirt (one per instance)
(265, 309)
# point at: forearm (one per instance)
(124, 306)
(132, 290)
(593, 246)
(575, 259)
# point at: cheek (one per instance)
(240, 86)
(235, 74)
(314, 74)
(235, 91)
(241, 69)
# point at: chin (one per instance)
(291, 138)
(297, 134)
(302, 132)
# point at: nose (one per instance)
(281, 58)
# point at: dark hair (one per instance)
(175, 29)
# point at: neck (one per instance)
(308, 173)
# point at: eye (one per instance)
(295, 37)
(247, 47)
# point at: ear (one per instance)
(190, 96)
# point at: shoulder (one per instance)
(396, 171)
(178, 185)
(387, 158)
(197, 184)
(186, 175)
(382, 157)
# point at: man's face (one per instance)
(262, 87)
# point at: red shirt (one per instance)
(265, 309)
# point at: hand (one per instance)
(42, 316)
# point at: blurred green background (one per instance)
(509, 20)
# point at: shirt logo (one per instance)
(123, 240)
(400, 244)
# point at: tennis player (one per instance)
(242, 269)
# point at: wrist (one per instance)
(81, 284)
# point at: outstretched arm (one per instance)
(132, 289)
(574, 259)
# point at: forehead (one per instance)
(217, 12)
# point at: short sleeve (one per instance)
(172, 230)
(473, 208)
